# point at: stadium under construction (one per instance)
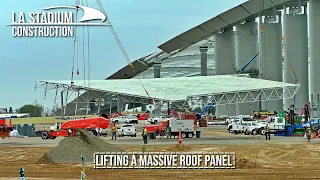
(252, 57)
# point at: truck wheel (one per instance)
(183, 135)
(254, 132)
(246, 132)
(262, 132)
(116, 121)
(45, 135)
(190, 135)
(230, 131)
(155, 122)
(94, 132)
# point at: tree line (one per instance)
(35, 110)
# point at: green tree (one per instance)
(35, 109)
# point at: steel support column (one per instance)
(314, 26)
(296, 53)
(246, 48)
(225, 63)
(271, 55)
(119, 104)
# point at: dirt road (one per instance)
(280, 158)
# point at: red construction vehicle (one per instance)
(91, 124)
(4, 129)
(143, 116)
(174, 126)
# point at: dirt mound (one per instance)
(245, 164)
(178, 147)
(71, 148)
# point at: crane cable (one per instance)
(121, 46)
(74, 48)
(88, 49)
(291, 65)
(83, 53)
(261, 28)
(78, 72)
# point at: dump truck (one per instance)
(91, 124)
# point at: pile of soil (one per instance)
(83, 143)
(245, 164)
(179, 148)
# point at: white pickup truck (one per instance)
(125, 119)
(251, 128)
(127, 130)
(155, 120)
(132, 119)
(236, 125)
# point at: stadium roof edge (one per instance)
(244, 11)
(227, 87)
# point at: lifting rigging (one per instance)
(75, 50)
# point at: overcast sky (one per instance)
(142, 25)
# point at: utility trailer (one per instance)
(90, 124)
(172, 127)
(185, 126)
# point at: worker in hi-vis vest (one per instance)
(308, 133)
(267, 129)
(69, 131)
(145, 136)
(114, 132)
(22, 173)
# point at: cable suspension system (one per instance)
(121, 46)
(74, 48)
(88, 51)
(83, 53)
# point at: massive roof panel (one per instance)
(247, 10)
(178, 89)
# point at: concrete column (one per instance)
(204, 60)
(225, 63)
(271, 55)
(314, 26)
(157, 67)
(296, 52)
(246, 48)
(119, 104)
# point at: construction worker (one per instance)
(22, 173)
(114, 132)
(144, 136)
(267, 129)
(308, 134)
(69, 131)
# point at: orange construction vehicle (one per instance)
(4, 129)
(91, 124)
(173, 127)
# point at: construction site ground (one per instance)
(279, 158)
